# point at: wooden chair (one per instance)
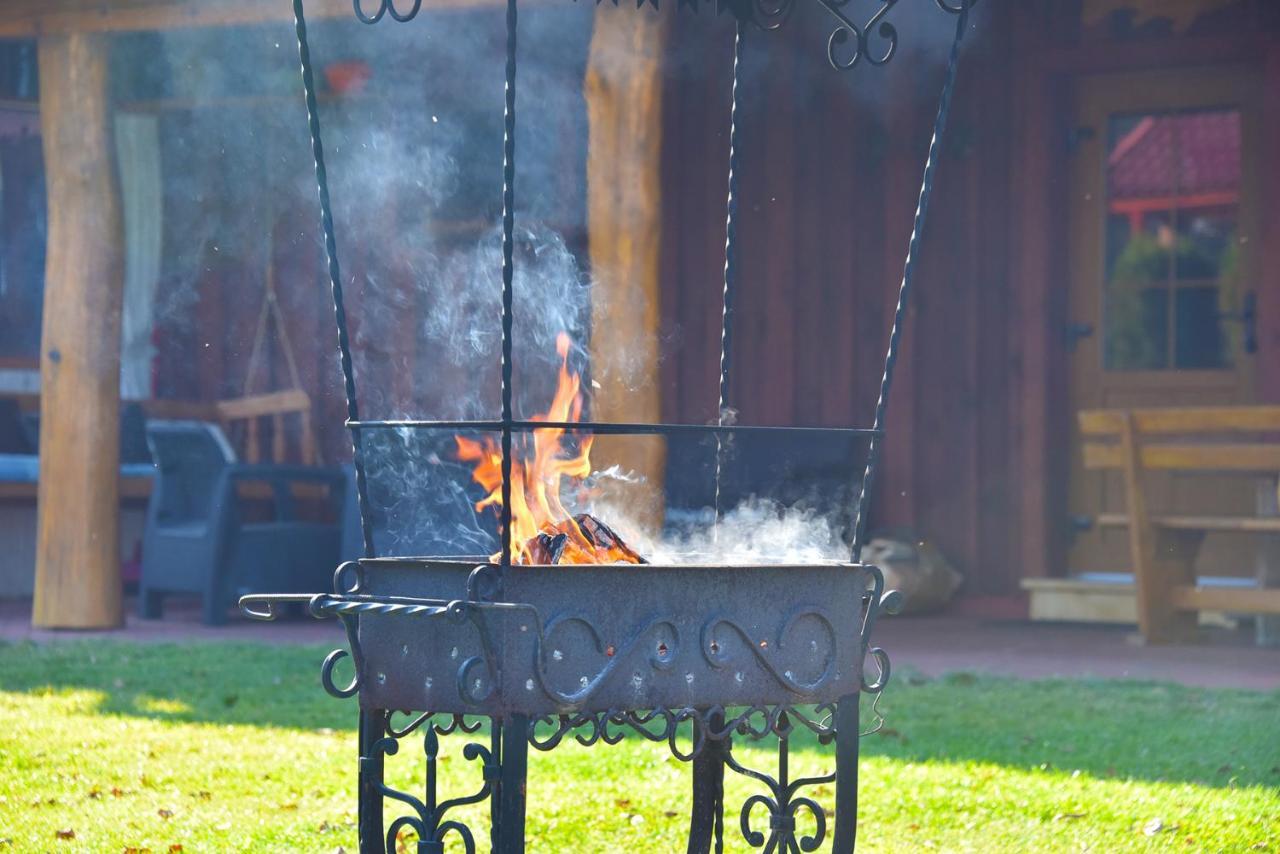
(1225, 440)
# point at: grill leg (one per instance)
(369, 811)
(847, 729)
(708, 793)
(511, 785)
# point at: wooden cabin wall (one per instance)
(831, 165)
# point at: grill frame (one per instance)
(396, 613)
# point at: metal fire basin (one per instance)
(564, 639)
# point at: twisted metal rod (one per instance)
(730, 270)
(335, 272)
(508, 272)
(904, 290)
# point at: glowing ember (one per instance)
(542, 531)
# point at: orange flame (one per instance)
(541, 460)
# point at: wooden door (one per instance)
(1163, 280)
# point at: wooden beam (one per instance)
(1261, 458)
(1038, 402)
(1267, 359)
(1098, 57)
(77, 547)
(624, 89)
(268, 403)
(29, 18)
(1208, 419)
(1232, 524)
(1160, 557)
(1232, 599)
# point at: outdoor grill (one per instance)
(691, 655)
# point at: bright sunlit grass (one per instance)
(221, 747)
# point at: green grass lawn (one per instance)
(222, 746)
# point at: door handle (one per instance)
(1248, 320)
(1076, 332)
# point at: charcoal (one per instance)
(602, 536)
(547, 548)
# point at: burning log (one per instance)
(546, 548)
(582, 539)
(606, 539)
(542, 531)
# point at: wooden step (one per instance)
(1238, 524)
(1108, 597)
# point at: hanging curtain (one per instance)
(138, 157)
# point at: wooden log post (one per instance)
(77, 550)
(624, 87)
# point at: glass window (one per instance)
(1173, 187)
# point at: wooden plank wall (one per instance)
(831, 167)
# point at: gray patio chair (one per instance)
(199, 539)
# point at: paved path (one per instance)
(929, 645)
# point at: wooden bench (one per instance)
(1242, 441)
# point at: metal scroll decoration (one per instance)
(794, 820)
(875, 40)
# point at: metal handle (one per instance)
(1248, 320)
(1077, 332)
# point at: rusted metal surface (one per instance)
(615, 637)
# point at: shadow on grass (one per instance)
(1150, 731)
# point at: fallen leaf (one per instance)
(1152, 827)
(95, 793)
(204, 796)
(1068, 816)
(65, 834)
(175, 847)
(671, 813)
(116, 791)
(163, 813)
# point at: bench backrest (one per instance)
(244, 418)
(1225, 439)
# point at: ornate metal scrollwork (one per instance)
(849, 44)
(428, 817)
(386, 7)
(661, 724)
(713, 649)
(783, 803)
(878, 602)
(660, 659)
